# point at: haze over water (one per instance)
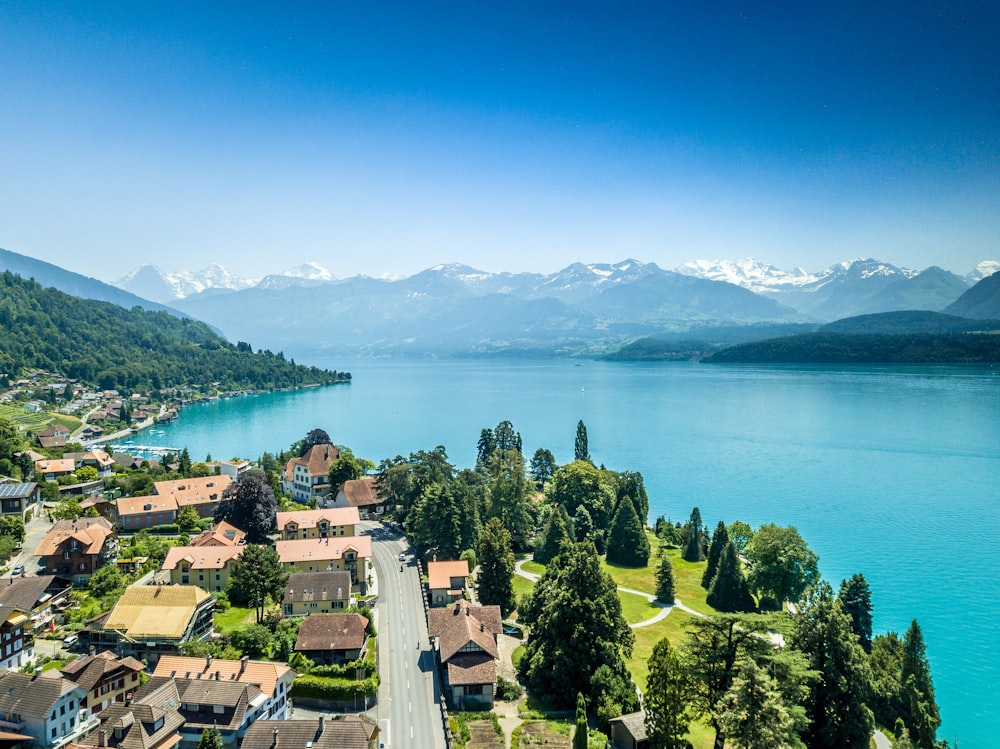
(892, 472)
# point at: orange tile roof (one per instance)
(317, 461)
(56, 465)
(193, 491)
(361, 492)
(312, 518)
(264, 674)
(439, 574)
(220, 534)
(201, 557)
(89, 533)
(137, 505)
(322, 549)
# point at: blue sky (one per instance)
(382, 138)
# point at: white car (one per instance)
(402, 556)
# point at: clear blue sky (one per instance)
(379, 137)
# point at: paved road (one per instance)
(35, 531)
(409, 712)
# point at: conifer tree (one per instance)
(581, 446)
(627, 542)
(922, 717)
(210, 739)
(753, 714)
(580, 734)
(665, 580)
(720, 540)
(693, 551)
(555, 537)
(496, 567)
(729, 592)
(666, 703)
(856, 599)
(583, 524)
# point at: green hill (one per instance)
(130, 350)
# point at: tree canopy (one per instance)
(782, 566)
(257, 577)
(249, 504)
(496, 567)
(581, 445)
(627, 542)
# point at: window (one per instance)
(53, 732)
(62, 709)
(72, 704)
(312, 605)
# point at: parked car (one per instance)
(70, 641)
(17, 571)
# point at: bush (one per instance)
(768, 603)
(323, 688)
(168, 529)
(507, 690)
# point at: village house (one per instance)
(322, 523)
(335, 732)
(39, 596)
(203, 493)
(45, 707)
(76, 549)
(18, 498)
(99, 460)
(361, 494)
(333, 638)
(446, 581)
(208, 567)
(105, 677)
(231, 468)
(466, 647)
(136, 513)
(150, 722)
(317, 593)
(53, 436)
(629, 731)
(102, 506)
(308, 477)
(150, 621)
(350, 554)
(220, 534)
(16, 649)
(53, 469)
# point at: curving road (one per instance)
(409, 708)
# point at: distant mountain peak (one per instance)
(311, 271)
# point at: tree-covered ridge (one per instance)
(130, 350)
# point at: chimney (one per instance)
(218, 675)
(38, 672)
(322, 720)
(482, 627)
(102, 738)
(274, 734)
(208, 663)
(243, 664)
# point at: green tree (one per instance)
(693, 550)
(886, 659)
(435, 522)
(919, 704)
(729, 592)
(580, 730)
(184, 463)
(581, 445)
(580, 483)
(210, 739)
(753, 714)
(665, 579)
(85, 474)
(576, 627)
(782, 566)
(627, 542)
(582, 525)
(542, 466)
(838, 701)
(249, 504)
(345, 468)
(256, 577)
(188, 519)
(314, 437)
(508, 495)
(251, 641)
(107, 583)
(496, 567)
(856, 599)
(12, 526)
(720, 540)
(666, 700)
(554, 537)
(630, 484)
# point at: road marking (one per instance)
(410, 704)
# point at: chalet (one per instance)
(44, 706)
(16, 643)
(105, 677)
(308, 477)
(18, 498)
(629, 731)
(317, 523)
(446, 581)
(350, 553)
(333, 638)
(99, 460)
(76, 549)
(466, 647)
(317, 593)
(204, 493)
(335, 732)
(208, 567)
(220, 534)
(53, 436)
(42, 597)
(362, 494)
(52, 470)
(102, 506)
(150, 621)
(91, 432)
(152, 721)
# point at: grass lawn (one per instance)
(534, 568)
(235, 618)
(522, 585)
(687, 582)
(646, 637)
(637, 609)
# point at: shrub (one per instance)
(507, 690)
(167, 529)
(323, 688)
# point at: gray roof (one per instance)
(10, 490)
(635, 723)
(337, 732)
(24, 592)
(32, 696)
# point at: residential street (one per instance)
(35, 531)
(409, 712)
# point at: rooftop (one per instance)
(155, 611)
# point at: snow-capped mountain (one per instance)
(151, 282)
(984, 270)
(751, 274)
(309, 272)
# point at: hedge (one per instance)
(169, 529)
(323, 688)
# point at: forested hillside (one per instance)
(130, 350)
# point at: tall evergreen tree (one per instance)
(508, 495)
(496, 567)
(627, 542)
(668, 714)
(838, 702)
(580, 730)
(249, 504)
(921, 711)
(435, 523)
(729, 592)
(665, 579)
(693, 551)
(720, 540)
(856, 599)
(581, 445)
(630, 484)
(753, 714)
(555, 537)
(257, 577)
(886, 659)
(583, 524)
(543, 465)
(576, 625)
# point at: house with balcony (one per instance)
(99, 460)
(16, 650)
(54, 469)
(18, 498)
(350, 554)
(76, 549)
(44, 706)
(333, 638)
(208, 567)
(41, 597)
(465, 638)
(322, 523)
(317, 593)
(220, 534)
(106, 678)
(203, 493)
(446, 581)
(150, 722)
(308, 477)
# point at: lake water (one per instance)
(893, 472)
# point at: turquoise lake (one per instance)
(892, 472)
